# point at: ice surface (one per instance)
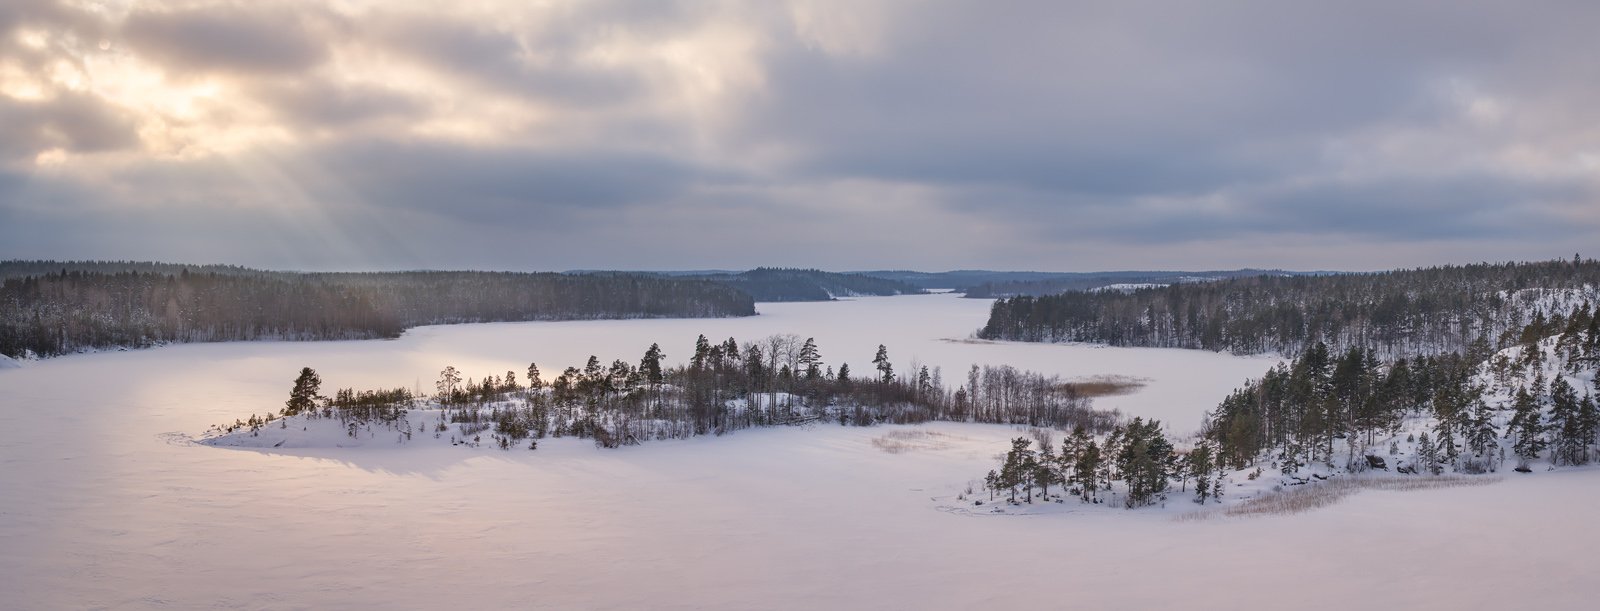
(104, 503)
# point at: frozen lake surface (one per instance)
(104, 504)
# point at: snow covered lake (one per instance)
(103, 503)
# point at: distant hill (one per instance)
(24, 269)
(74, 306)
(991, 284)
(784, 284)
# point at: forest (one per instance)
(787, 284)
(1399, 313)
(68, 311)
(1094, 281)
(725, 386)
(1295, 413)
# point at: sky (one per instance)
(847, 135)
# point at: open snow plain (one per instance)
(105, 504)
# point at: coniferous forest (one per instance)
(1399, 313)
(62, 312)
(783, 284)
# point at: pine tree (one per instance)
(1588, 424)
(881, 361)
(1201, 464)
(1018, 467)
(1143, 461)
(535, 383)
(303, 398)
(1527, 424)
(1566, 424)
(1086, 471)
(448, 384)
(702, 353)
(1044, 469)
(811, 359)
(1072, 449)
(1428, 455)
(650, 365)
(1481, 436)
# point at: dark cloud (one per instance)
(540, 65)
(229, 38)
(71, 122)
(320, 103)
(506, 184)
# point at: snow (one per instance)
(106, 502)
(7, 362)
(1127, 287)
(1551, 301)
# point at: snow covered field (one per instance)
(104, 503)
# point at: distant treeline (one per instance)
(781, 284)
(1400, 313)
(67, 311)
(990, 284)
(24, 269)
(1089, 282)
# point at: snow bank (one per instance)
(7, 362)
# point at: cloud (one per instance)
(244, 38)
(1048, 135)
(73, 123)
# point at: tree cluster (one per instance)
(725, 386)
(1135, 459)
(63, 312)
